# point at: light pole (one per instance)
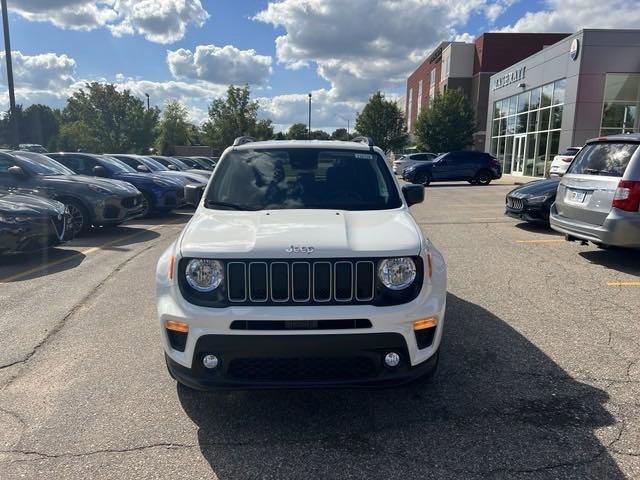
(309, 132)
(7, 50)
(148, 104)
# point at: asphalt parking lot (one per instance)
(540, 373)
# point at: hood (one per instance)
(142, 179)
(537, 187)
(269, 233)
(116, 187)
(187, 176)
(15, 204)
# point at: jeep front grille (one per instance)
(315, 282)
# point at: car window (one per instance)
(603, 158)
(5, 164)
(153, 165)
(303, 178)
(130, 161)
(39, 164)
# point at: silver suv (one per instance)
(598, 200)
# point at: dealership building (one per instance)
(468, 66)
(583, 86)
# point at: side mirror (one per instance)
(16, 171)
(99, 171)
(171, 166)
(413, 193)
(193, 194)
(143, 169)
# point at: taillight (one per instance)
(627, 196)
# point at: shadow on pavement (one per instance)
(499, 407)
(618, 259)
(27, 266)
(113, 237)
(179, 217)
(537, 228)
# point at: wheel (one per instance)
(146, 204)
(424, 179)
(483, 177)
(79, 221)
(472, 181)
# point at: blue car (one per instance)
(161, 194)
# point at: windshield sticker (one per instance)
(364, 156)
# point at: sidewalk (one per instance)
(508, 179)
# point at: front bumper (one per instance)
(116, 210)
(29, 237)
(537, 213)
(299, 361)
(620, 228)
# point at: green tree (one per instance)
(173, 128)
(40, 124)
(383, 121)
(340, 134)
(74, 137)
(297, 131)
(320, 135)
(263, 130)
(114, 121)
(279, 136)
(448, 124)
(232, 117)
(10, 123)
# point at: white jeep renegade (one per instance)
(301, 267)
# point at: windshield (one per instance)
(115, 166)
(302, 178)
(153, 165)
(178, 163)
(42, 165)
(603, 158)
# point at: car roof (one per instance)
(622, 137)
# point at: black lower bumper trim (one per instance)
(299, 361)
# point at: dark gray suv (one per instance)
(598, 199)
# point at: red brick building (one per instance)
(469, 66)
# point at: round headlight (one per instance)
(397, 273)
(203, 274)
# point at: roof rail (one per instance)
(366, 140)
(242, 140)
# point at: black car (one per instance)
(29, 223)
(532, 201)
(471, 166)
(198, 163)
(160, 194)
(90, 201)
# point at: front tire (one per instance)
(424, 179)
(79, 221)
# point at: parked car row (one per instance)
(46, 199)
(598, 198)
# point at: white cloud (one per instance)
(363, 45)
(161, 21)
(573, 15)
(46, 71)
(220, 65)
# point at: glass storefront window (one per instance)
(530, 155)
(541, 155)
(534, 102)
(621, 104)
(556, 117)
(538, 115)
(512, 105)
(622, 87)
(559, 88)
(523, 102)
(544, 119)
(508, 153)
(547, 92)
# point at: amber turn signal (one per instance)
(172, 264)
(425, 323)
(176, 326)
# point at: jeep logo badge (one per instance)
(296, 249)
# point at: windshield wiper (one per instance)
(232, 206)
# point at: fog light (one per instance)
(210, 361)
(392, 359)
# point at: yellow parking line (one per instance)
(624, 284)
(82, 252)
(546, 240)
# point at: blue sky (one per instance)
(341, 50)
